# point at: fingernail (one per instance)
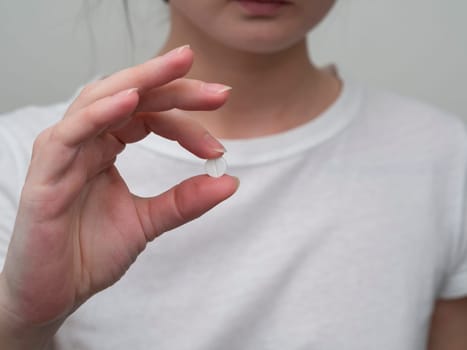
(126, 92)
(176, 51)
(214, 144)
(131, 91)
(216, 88)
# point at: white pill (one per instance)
(216, 167)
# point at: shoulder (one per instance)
(410, 109)
(411, 114)
(24, 124)
(18, 130)
(411, 124)
(30, 120)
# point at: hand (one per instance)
(78, 227)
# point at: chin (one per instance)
(261, 41)
(262, 47)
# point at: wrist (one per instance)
(15, 333)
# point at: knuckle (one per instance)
(137, 73)
(88, 89)
(179, 206)
(87, 113)
(88, 116)
(41, 139)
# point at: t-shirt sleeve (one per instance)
(18, 130)
(455, 284)
(10, 180)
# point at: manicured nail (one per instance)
(131, 91)
(126, 92)
(214, 144)
(176, 51)
(216, 88)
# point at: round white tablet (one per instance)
(216, 167)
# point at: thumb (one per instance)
(183, 203)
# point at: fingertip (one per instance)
(214, 146)
(216, 89)
(235, 182)
(130, 96)
(214, 95)
(228, 184)
(132, 91)
(128, 99)
(177, 51)
(182, 55)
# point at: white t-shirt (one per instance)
(342, 235)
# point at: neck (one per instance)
(272, 92)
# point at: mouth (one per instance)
(263, 8)
(267, 1)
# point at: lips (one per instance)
(272, 1)
(263, 8)
(267, 1)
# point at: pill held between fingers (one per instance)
(216, 167)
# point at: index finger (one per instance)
(148, 75)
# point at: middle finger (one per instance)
(148, 75)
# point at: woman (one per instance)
(345, 232)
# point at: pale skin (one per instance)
(266, 63)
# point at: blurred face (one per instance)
(261, 26)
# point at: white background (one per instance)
(415, 47)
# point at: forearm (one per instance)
(449, 325)
(22, 339)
